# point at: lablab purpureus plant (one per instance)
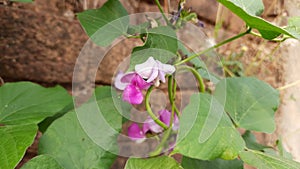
(151, 72)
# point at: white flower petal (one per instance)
(145, 69)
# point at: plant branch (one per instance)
(197, 75)
(150, 112)
(289, 85)
(213, 47)
(172, 94)
(162, 11)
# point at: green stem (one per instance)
(151, 114)
(197, 75)
(161, 11)
(170, 86)
(172, 94)
(164, 139)
(174, 98)
(231, 74)
(213, 47)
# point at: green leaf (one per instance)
(26, 103)
(67, 143)
(204, 115)
(42, 162)
(267, 161)
(122, 107)
(140, 29)
(251, 142)
(162, 37)
(294, 26)
(249, 11)
(250, 102)
(164, 162)
(189, 163)
(161, 44)
(49, 120)
(14, 140)
(105, 24)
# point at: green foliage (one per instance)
(22, 106)
(161, 44)
(164, 162)
(70, 145)
(67, 143)
(267, 161)
(105, 24)
(223, 139)
(26, 103)
(189, 163)
(14, 141)
(42, 162)
(251, 142)
(250, 11)
(250, 102)
(87, 136)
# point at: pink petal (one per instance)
(165, 116)
(132, 95)
(135, 133)
(128, 77)
(176, 123)
(139, 82)
(150, 125)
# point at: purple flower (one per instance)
(154, 70)
(150, 125)
(132, 84)
(165, 116)
(137, 134)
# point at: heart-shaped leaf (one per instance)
(222, 139)
(161, 44)
(67, 143)
(152, 163)
(250, 11)
(42, 162)
(267, 161)
(190, 163)
(250, 102)
(26, 103)
(105, 24)
(14, 140)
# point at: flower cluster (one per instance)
(137, 134)
(146, 74)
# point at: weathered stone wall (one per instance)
(41, 41)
